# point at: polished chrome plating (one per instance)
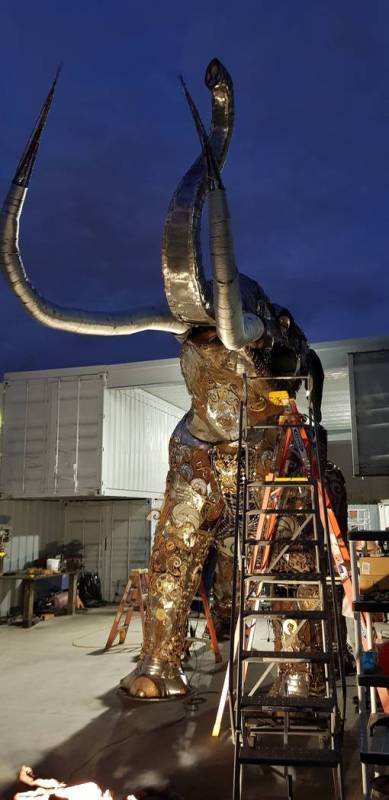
(54, 316)
(187, 292)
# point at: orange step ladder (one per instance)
(296, 431)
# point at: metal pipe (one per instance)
(55, 316)
(188, 293)
(235, 327)
(73, 320)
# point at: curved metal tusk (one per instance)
(27, 161)
(76, 321)
(187, 292)
(235, 327)
(50, 314)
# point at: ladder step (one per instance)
(284, 426)
(284, 655)
(280, 577)
(289, 756)
(368, 536)
(378, 757)
(287, 614)
(380, 681)
(280, 484)
(371, 605)
(282, 540)
(279, 512)
(251, 705)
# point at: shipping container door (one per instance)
(24, 438)
(76, 408)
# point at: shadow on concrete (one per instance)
(133, 744)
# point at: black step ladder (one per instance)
(275, 728)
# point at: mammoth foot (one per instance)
(154, 679)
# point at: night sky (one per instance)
(307, 173)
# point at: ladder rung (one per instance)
(374, 757)
(289, 756)
(286, 613)
(280, 484)
(282, 540)
(368, 536)
(380, 681)
(284, 655)
(250, 705)
(290, 577)
(370, 606)
(285, 425)
(280, 512)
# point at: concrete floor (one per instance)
(62, 715)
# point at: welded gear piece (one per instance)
(186, 472)
(185, 514)
(225, 463)
(308, 597)
(223, 408)
(199, 486)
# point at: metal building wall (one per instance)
(115, 537)
(52, 432)
(137, 429)
(70, 436)
(35, 524)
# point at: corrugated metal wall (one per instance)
(70, 436)
(114, 534)
(76, 419)
(137, 429)
(35, 523)
(115, 537)
(130, 543)
(52, 433)
(25, 438)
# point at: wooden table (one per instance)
(28, 583)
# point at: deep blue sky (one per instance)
(307, 174)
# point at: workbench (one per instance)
(28, 585)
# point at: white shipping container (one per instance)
(69, 435)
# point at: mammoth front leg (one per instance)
(184, 534)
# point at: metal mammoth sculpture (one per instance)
(228, 327)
